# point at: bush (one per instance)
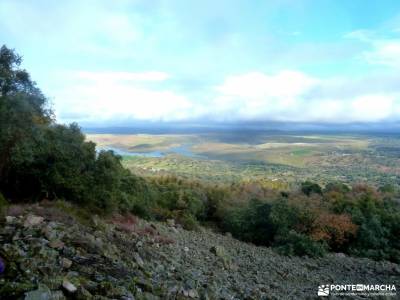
(387, 188)
(337, 187)
(335, 230)
(284, 216)
(377, 219)
(188, 221)
(294, 243)
(251, 223)
(277, 223)
(372, 239)
(308, 188)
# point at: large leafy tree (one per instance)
(23, 109)
(40, 158)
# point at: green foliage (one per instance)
(41, 159)
(360, 222)
(372, 239)
(278, 224)
(284, 216)
(336, 187)
(188, 221)
(107, 176)
(23, 110)
(3, 204)
(308, 188)
(298, 244)
(387, 188)
(251, 223)
(378, 220)
(57, 164)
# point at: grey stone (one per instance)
(32, 220)
(66, 263)
(171, 222)
(69, 287)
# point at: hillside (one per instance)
(70, 227)
(56, 251)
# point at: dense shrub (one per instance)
(336, 230)
(336, 187)
(187, 220)
(294, 243)
(308, 187)
(377, 217)
(251, 223)
(278, 224)
(358, 221)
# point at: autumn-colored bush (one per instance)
(335, 230)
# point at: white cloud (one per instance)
(374, 107)
(255, 84)
(361, 34)
(295, 96)
(385, 52)
(258, 95)
(125, 76)
(381, 51)
(112, 96)
(289, 95)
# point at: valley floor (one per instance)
(51, 254)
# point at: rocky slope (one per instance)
(47, 253)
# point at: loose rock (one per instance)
(32, 220)
(66, 263)
(100, 262)
(69, 287)
(57, 244)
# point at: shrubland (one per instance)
(40, 159)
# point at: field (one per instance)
(276, 158)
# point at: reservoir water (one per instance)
(183, 150)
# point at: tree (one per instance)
(39, 158)
(309, 187)
(22, 108)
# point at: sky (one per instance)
(122, 62)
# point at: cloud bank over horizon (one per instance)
(139, 62)
(288, 96)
